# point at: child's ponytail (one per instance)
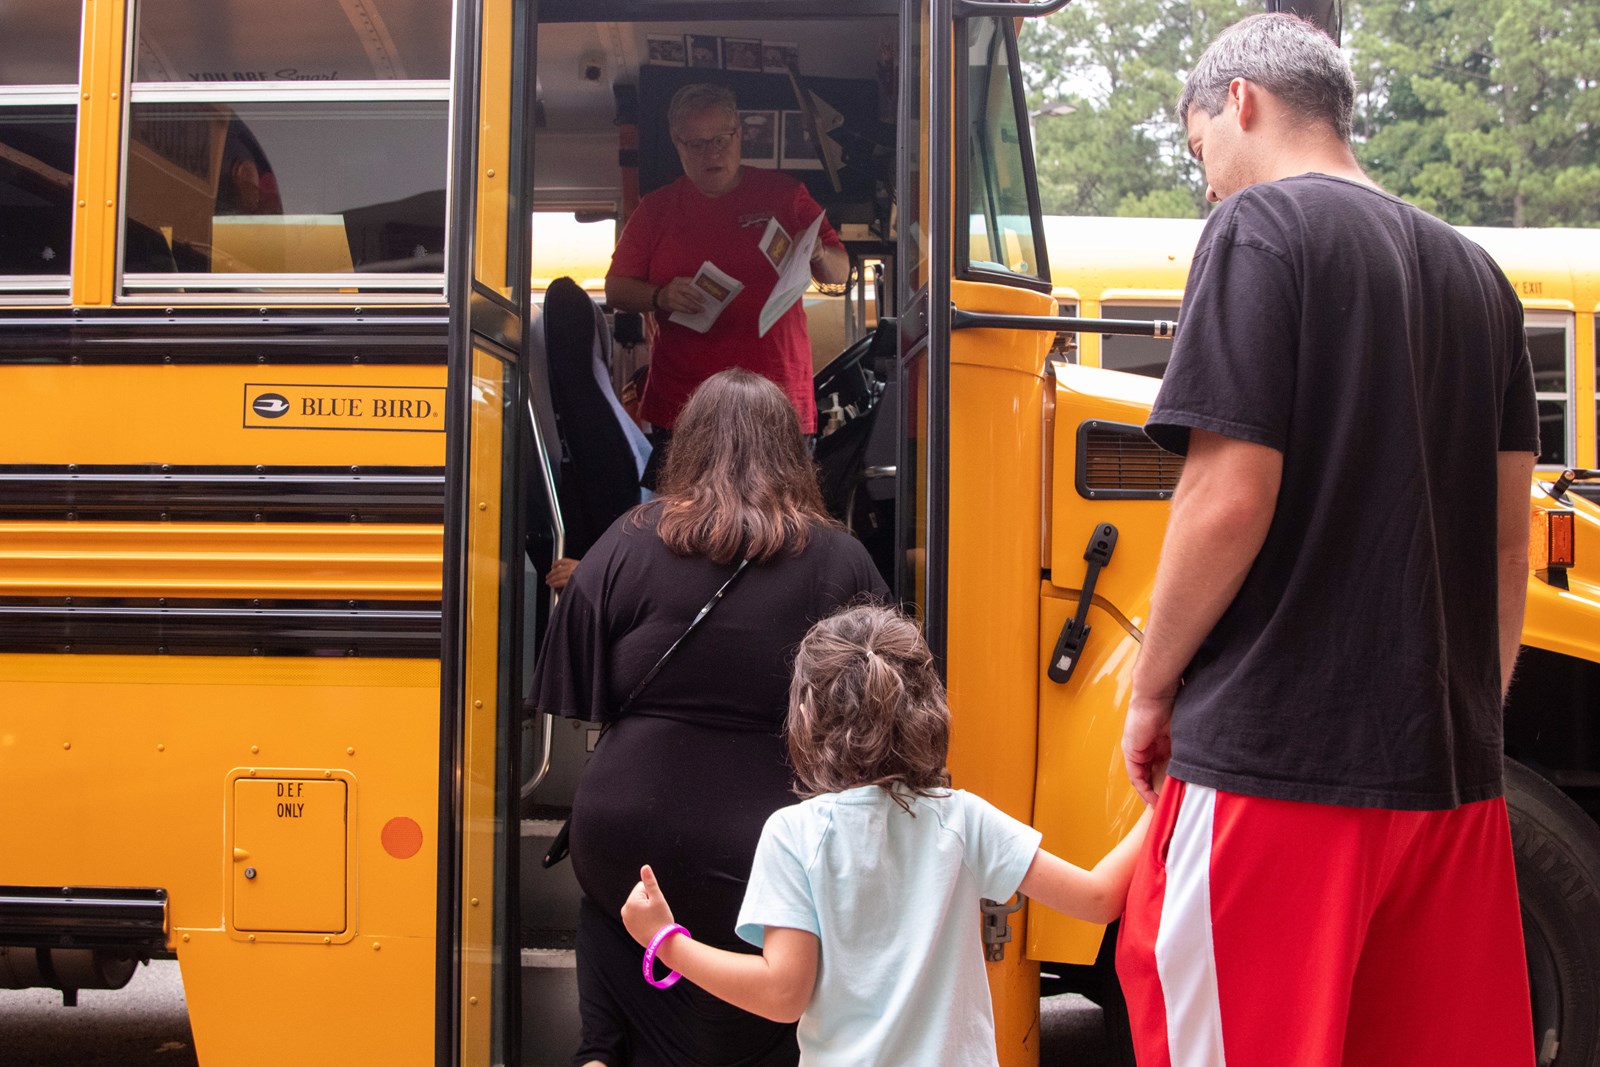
(866, 707)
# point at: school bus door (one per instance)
(972, 238)
(488, 287)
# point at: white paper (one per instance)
(794, 271)
(717, 288)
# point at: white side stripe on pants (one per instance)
(1186, 962)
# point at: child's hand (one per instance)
(645, 911)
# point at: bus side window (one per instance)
(38, 134)
(1137, 355)
(257, 152)
(1550, 344)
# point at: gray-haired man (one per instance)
(1328, 879)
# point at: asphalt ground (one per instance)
(145, 1025)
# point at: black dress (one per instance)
(687, 779)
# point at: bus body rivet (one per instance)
(66, 745)
(474, 902)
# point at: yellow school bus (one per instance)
(281, 474)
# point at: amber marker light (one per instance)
(1552, 544)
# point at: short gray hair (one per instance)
(701, 96)
(1284, 54)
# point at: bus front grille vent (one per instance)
(1116, 461)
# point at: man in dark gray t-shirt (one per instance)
(1336, 614)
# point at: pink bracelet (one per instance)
(650, 956)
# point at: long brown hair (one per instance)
(866, 707)
(738, 479)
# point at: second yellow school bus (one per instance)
(1135, 268)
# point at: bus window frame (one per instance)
(964, 119)
(338, 288)
(1546, 318)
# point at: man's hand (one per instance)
(680, 294)
(645, 911)
(1147, 744)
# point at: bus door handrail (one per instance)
(1012, 9)
(548, 476)
(983, 320)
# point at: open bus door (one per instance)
(974, 444)
(484, 632)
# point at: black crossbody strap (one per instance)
(716, 598)
(558, 846)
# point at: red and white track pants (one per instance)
(1271, 933)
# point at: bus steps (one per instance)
(548, 899)
(548, 945)
(549, 998)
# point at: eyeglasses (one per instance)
(700, 146)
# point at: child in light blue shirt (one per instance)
(864, 898)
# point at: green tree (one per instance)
(1119, 64)
(1483, 112)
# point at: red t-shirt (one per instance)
(674, 230)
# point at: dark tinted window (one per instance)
(36, 164)
(1549, 342)
(1137, 355)
(38, 134)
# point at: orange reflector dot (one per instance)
(402, 837)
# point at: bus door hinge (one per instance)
(1069, 646)
(996, 929)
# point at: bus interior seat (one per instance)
(599, 477)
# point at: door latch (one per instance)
(1069, 646)
(996, 928)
